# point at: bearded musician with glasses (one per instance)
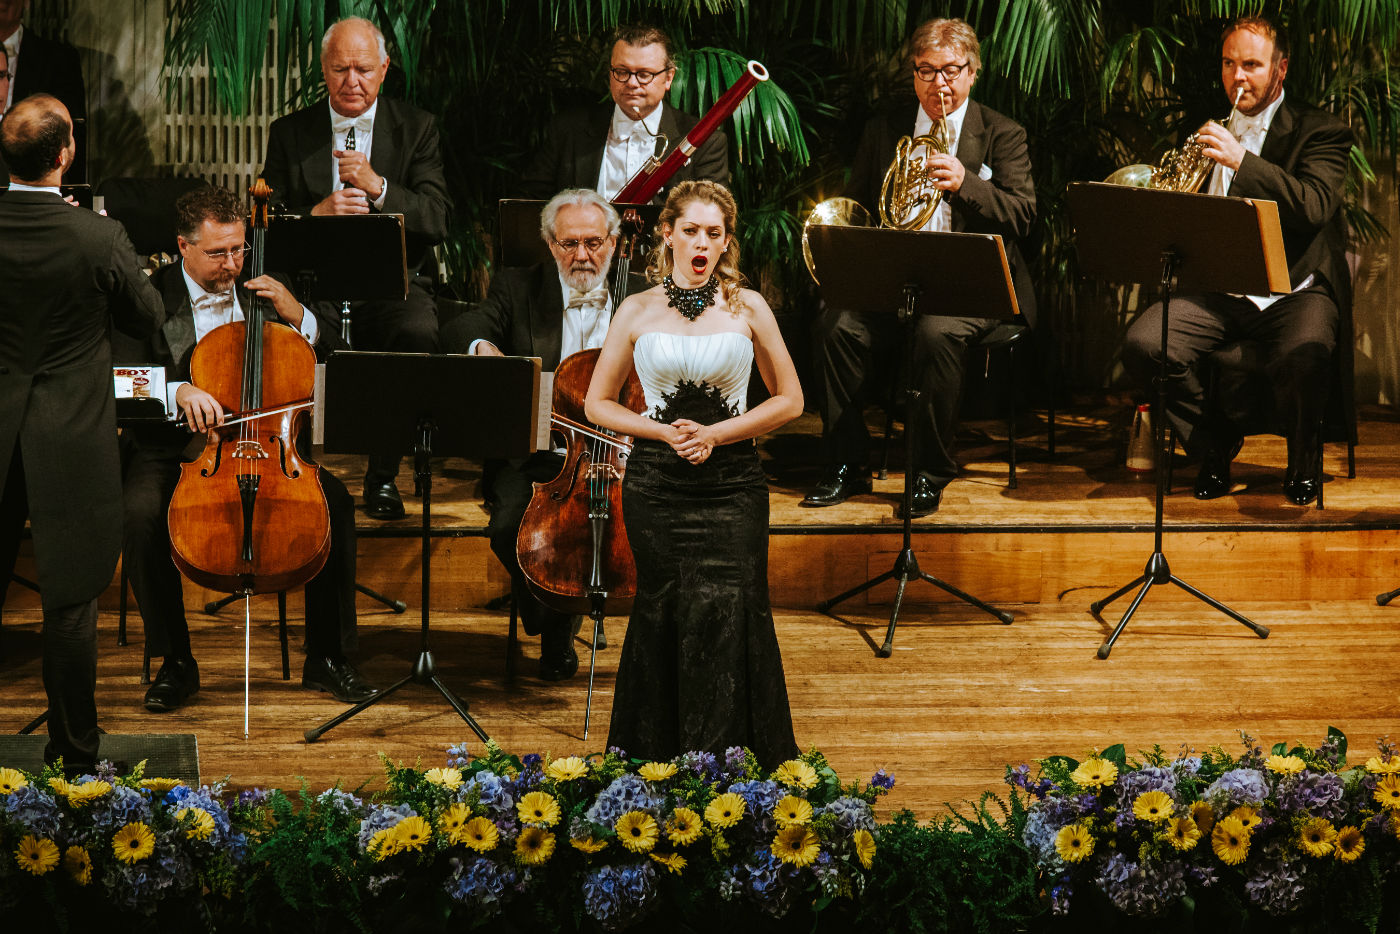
(985, 180)
(602, 146)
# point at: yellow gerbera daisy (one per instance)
(1388, 791)
(201, 822)
(36, 855)
(1153, 806)
(1230, 841)
(675, 862)
(534, 846)
(791, 811)
(160, 785)
(566, 770)
(451, 779)
(1183, 834)
(1247, 816)
(1203, 816)
(453, 822)
(1284, 765)
(1095, 773)
(61, 786)
(1318, 837)
(638, 831)
(796, 772)
(1379, 766)
(657, 771)
(412, 833)
(796, 845)
(1074, 843)
(538, 807)
(87, 792)
(11, 780)
(588, 844)
(865, 847)
(134, 842)
(684, 827)
(383, 844)
(480, 834)
(725, 810)
(1349, 845)
(78, 862)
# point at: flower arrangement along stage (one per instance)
(1206, 842)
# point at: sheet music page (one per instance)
(318, 406)
(543, 408)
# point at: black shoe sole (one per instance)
(343, 698)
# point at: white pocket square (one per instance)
(985, 173)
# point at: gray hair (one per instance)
(357, 21)
(579, 197)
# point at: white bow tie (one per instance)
(597, 297)
(215, 299)
(340, 124)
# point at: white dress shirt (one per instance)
(20, 186)
(630, 144)
(364, 142)
(12, 53)
(586, 316)
(1250, 131)
(215, 309)
(942, 218)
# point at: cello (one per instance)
(249, 515)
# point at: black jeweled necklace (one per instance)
(691, 303)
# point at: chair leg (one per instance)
(884, 471)
(1011, 419)
(1321, 484)
(1351, 461)
(1170, 451)
(282, 633)
(1050, 416)
(511, 640)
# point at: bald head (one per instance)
(354, 63)
(36, 138)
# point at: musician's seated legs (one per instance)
(509, 494)
(940, 347)
(846, 344)
(149, 479)
(409, 326)
(331, 631)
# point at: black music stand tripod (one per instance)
(900, 270)
(1204, 242)
(379, 402)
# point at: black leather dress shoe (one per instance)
(926, 499)
(1213, 479)
(558, 666)
(1300, 490)
(843, 482)
(338, 677)
(382, 500)
(177, 679)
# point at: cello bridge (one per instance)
(249, 450)
(598, 471)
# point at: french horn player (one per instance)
(1283, 150)
(979, 182)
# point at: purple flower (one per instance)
(702, 764)
(1277, 884)
(1237, 787)
(251, 797)
(1141, 889)
(1043, 822)
(1187, 766)
(851, 814)
(1148, 778)
(884, 780)
(1318, 793)
(458, 756)
(1060, 894)
(532, 760)
(736, 761)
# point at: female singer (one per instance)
(700, 667)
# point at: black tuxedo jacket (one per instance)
(66, 275)
(52, 67)
(1302, 166)
(406, 151)
(1002, 204)
(572, 154)
(523, 312)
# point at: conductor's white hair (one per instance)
(579, 197)
(356, 21)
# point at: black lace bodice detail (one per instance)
(698, 402)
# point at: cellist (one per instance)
(204, 290)
(549, 310)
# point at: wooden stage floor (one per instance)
(961, 697)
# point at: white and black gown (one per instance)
(700, 666)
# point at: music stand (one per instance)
(912, 273)
(378, 403)
(1202, 243)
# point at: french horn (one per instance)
(1181, 169)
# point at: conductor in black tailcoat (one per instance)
(549, 310)
(987, 188)
(602, 146)
(394, 167)
(66, 276)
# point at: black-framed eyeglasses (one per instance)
(4, 75)
(620, 75)
(949, 72)
(592, 244)
(219, 256)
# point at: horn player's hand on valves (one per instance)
(945, 172)
(1220, 144)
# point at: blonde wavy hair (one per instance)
(661, 263)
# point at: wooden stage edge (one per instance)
(962, 695)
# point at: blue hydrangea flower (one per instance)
(480, 881)
(35, 810)
(1237, 787)
(1275, 883)
(493, 792)
(382, 818)
(458, 756)
(851, 814)
(1187, 766)
(760, 798)
(883, 779)
(183, 796)
(770, 884)
(626, 793)
(1142, 889)
(333, 799)
(1043, 821)
(616, 896)
(1318, 793)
